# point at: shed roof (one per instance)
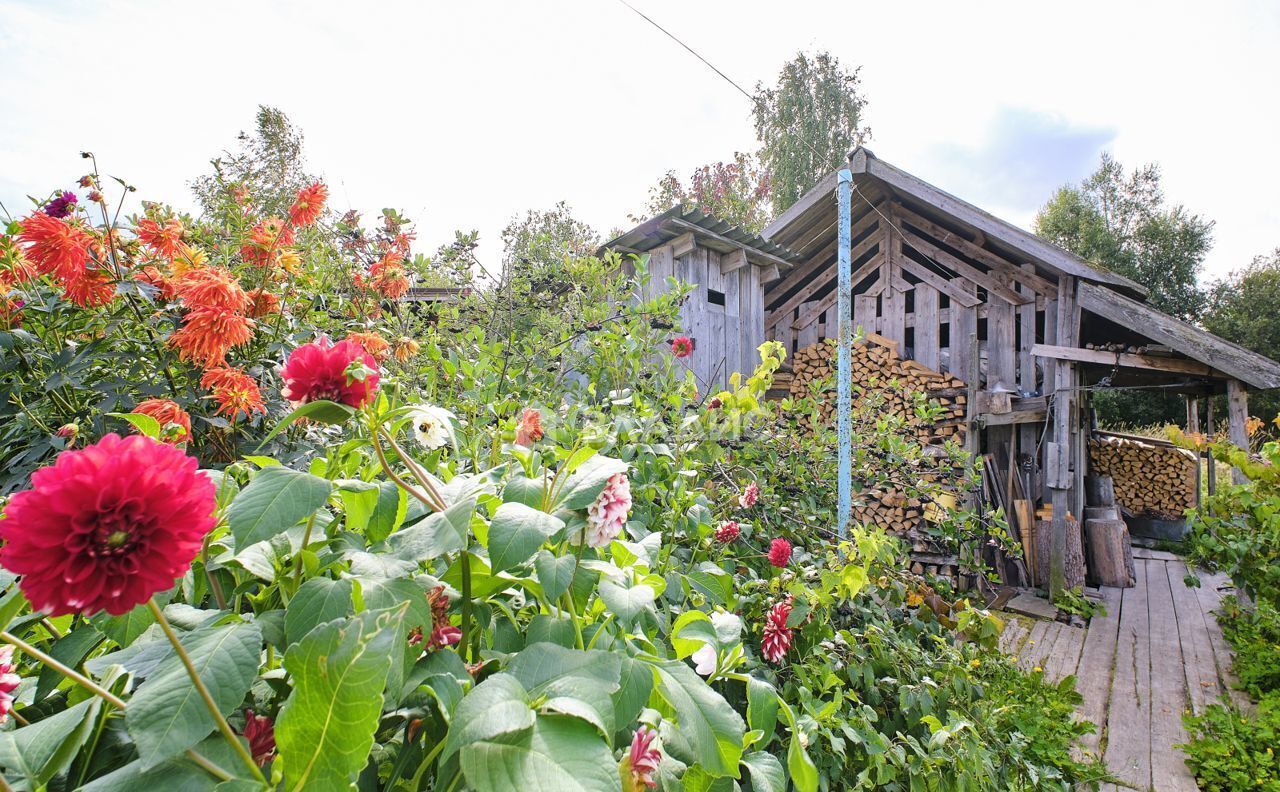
(1102, 293)
(710, 231)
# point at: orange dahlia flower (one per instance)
(175, 424)
(263, 303)
(372, 343)
(89, 288)
(310, 203)
(164, 240)
(211, 287)
(207, 333)
(235, 392)
(55, 246)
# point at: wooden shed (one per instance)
(1029, 328)
(728, 268)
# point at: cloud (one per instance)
(1022, 158)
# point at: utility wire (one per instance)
(758, 102)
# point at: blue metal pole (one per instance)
(844, 308)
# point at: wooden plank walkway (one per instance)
(1157, 654)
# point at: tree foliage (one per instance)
(1243, 308)
(268, 165)
(1121, 222)
(736, 192)
(807, 123)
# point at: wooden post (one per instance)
(1058, 473)
(1193, 426)
(1212, 430)
(1237, 416)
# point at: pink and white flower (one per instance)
(8, 682)
(749, 496)
(641, 762)
(607, 516)
(777, 635)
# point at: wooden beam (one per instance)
(987, 280)
(947, 286)
(1237, 418)
(813, 267)
(735, 260)
(683, 244)
(1024, 241)
(1123, 360)
(814, 285)
(1224, 356)
(759, 256)
(974, 251)
(1059, 453)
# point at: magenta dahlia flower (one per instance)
(323, 370)
(107, 526)
(61, 206)
(779, 552)
(777, 635)
(260, 732)
(8, 682)
(641, 762)
(682, 346)
(749, 496)
(607, 516)
(727, 532)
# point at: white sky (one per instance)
(464, 115)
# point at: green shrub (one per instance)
(1231, 751)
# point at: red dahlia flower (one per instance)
(106, 527)
(260, 732)
(641, 762)
(8, 681)
(779, 552)
(319, 370)
(175, 424)
(727, 532)
(310, 203)
(682, 346)
(777, 635)
(530, 429)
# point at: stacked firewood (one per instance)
(877, 369)
(1151, 479)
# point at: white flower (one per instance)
(432, 426)
(705, 660)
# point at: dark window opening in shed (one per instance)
(715, 297)
(944, 335)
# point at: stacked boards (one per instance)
(1151, 478)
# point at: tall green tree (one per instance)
(807, 122)
(1243, 308)
(266, 166)
(1121, 221)
(736, 192)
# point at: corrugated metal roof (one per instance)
(715, 233)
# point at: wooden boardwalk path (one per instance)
(1156, 654)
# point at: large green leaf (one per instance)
(319, 600)
(440, 533)
(712, 728)
(43, 749)
(179, 773)
(125, 628)
(325, 728)
(521, 489)
(388, 513)
(277, 499)
(70, 650)
(359, 499)
(555, 574)
(540, 663)
(627, 602)
(564, 754)
(587, 482)
(635, 684)
(762, 708)
(320, 411)
(497, 707)
(516, 532)
(167, 715)
(766, 772)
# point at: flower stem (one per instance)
(209, 704)
(416, 783)
(465, 643)
(70, 673)
(102, 693)
(306, 539)
(214, 585)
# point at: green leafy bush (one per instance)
(1231, 750)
